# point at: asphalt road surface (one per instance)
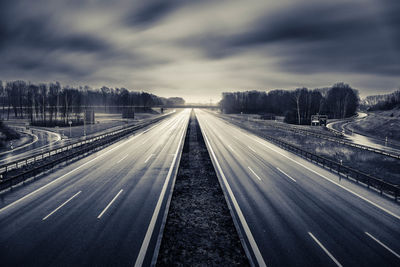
(342, 126)
(43, 140)
(103, 210)
(294, 213)
(47, 140)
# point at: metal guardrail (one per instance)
(343, 171)
(390, 141)
(333, 139)
(28, 167)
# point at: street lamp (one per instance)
(70, 123)
(84, 125)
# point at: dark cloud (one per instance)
(36, 32)
(197, 44)
(36, 43)
(150, 12)
(391, 19)
(305, 24)
(318, 37)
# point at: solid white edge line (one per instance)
(122, 159)
(148, 158)
(258, 177)
(64, 175)
(294, 180)
(109, 204)
(150, 229)
(326, 178)
(324, 249)
(383, 245)
(168, 200)
(245, 226)
(59, 207)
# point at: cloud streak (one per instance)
(198, 49)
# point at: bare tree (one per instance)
(296, 97)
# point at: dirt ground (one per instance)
(199, 229)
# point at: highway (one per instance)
(46, 140)
(294, 213)
(343, 126)
(103, 210)
(42, 140)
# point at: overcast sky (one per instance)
(198, 49)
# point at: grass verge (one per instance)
(376, 165)
(380, 125)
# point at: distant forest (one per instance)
(339, 101)
(53, 102)
(382, 102)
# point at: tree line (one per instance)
(338, 101)
(52, 103)
(382, 102)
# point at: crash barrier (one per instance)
(18, 171)
(377, 184)
(337, 139)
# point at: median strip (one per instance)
(199, 229)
